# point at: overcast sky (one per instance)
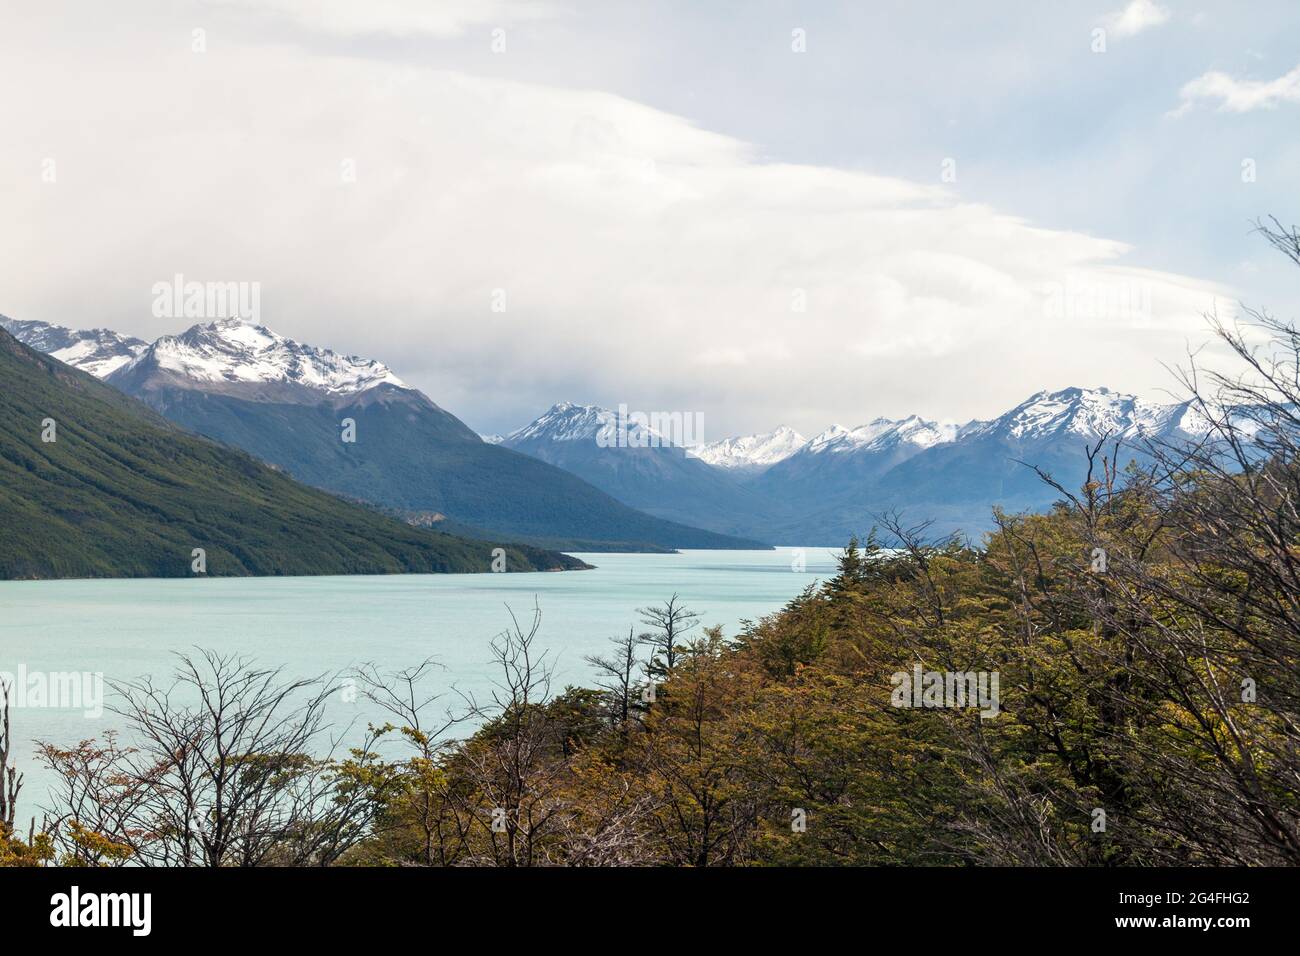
(764, 212)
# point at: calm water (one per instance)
(126, 629)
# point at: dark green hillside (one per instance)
(411, 455)
(123, 493)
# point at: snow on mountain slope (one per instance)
(1083, 412)
(1086, 412)
(879, 435)
(842, 461)
(97, 351)
(751, 453)
(567, 421)
(629, 456)
(230, 351)
(1189, 420)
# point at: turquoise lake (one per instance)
(125, 629)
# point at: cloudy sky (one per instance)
(764, 212)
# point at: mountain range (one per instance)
(823, 489)
(644, 469)
(955, 475)
(97, 351)
(751, 454)
(95, 484)
(565, 480)
(285, 402)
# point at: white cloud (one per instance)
(1139, 15)
(1240, 96)
(643, 259)
(439, 18)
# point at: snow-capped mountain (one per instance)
(998, 462)
(1084, 412)
(568, 422)
(97, 351)
(779, 485)
(751, 454)
(226, 351)
(231, 352)
(843, 478)
(284, 402)
(564, 421)
(639, 466)
(843, 460)
(880, 434)
(1189, 421)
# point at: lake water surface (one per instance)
(125, 629)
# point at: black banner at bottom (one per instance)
(363, 905)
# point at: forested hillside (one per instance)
(93, 484)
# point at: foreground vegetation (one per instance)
(1145, 635)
